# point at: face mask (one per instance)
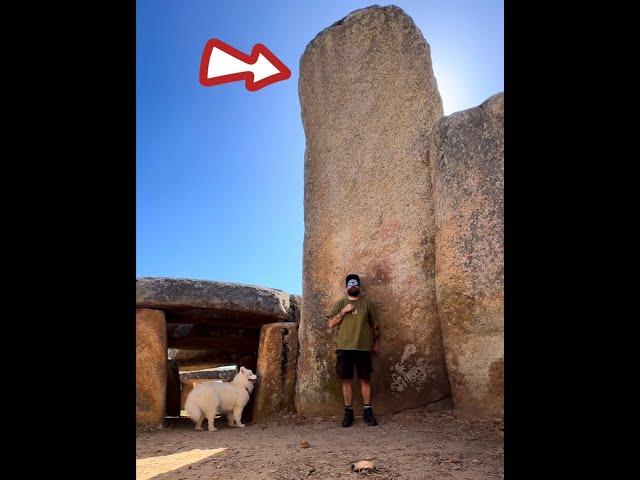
(353, 291)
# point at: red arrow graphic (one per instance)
(221, 63)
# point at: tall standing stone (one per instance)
(151, 367)
(276, 369)
(467, 158)
(369, 99)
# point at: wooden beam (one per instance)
(200, 330)
(218, 318)
(212, 375)
(230, 344)
(205, 358)
(200, 366)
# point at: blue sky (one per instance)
(220, 169)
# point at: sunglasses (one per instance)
(352, 283)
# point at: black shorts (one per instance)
(347, 359)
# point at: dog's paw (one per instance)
(198, 429)
(241, 425)
(214, 429)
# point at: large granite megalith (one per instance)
(467, 158)
(369, 99)
(151, 367)
(276, 369)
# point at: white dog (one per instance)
(209, 398)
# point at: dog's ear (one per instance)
(243, 370)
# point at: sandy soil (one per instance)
(409, 445)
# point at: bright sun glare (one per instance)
(147, 468)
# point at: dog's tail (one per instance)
(192, 409)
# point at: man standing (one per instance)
(358, 338)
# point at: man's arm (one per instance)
(376, 338)
(336, 319)
(375, 329)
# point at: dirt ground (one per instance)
(410, 445)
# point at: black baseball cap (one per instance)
(350, 276)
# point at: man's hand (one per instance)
(348, 308)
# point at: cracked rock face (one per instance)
(369, 99)
(467, 158)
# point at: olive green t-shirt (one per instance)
(354, 332)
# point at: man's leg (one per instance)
(365, 367)
(347, 395)
(365, 388)
(347, 392)
(344, 371)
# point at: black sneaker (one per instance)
(369, 418)
(347, 421)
